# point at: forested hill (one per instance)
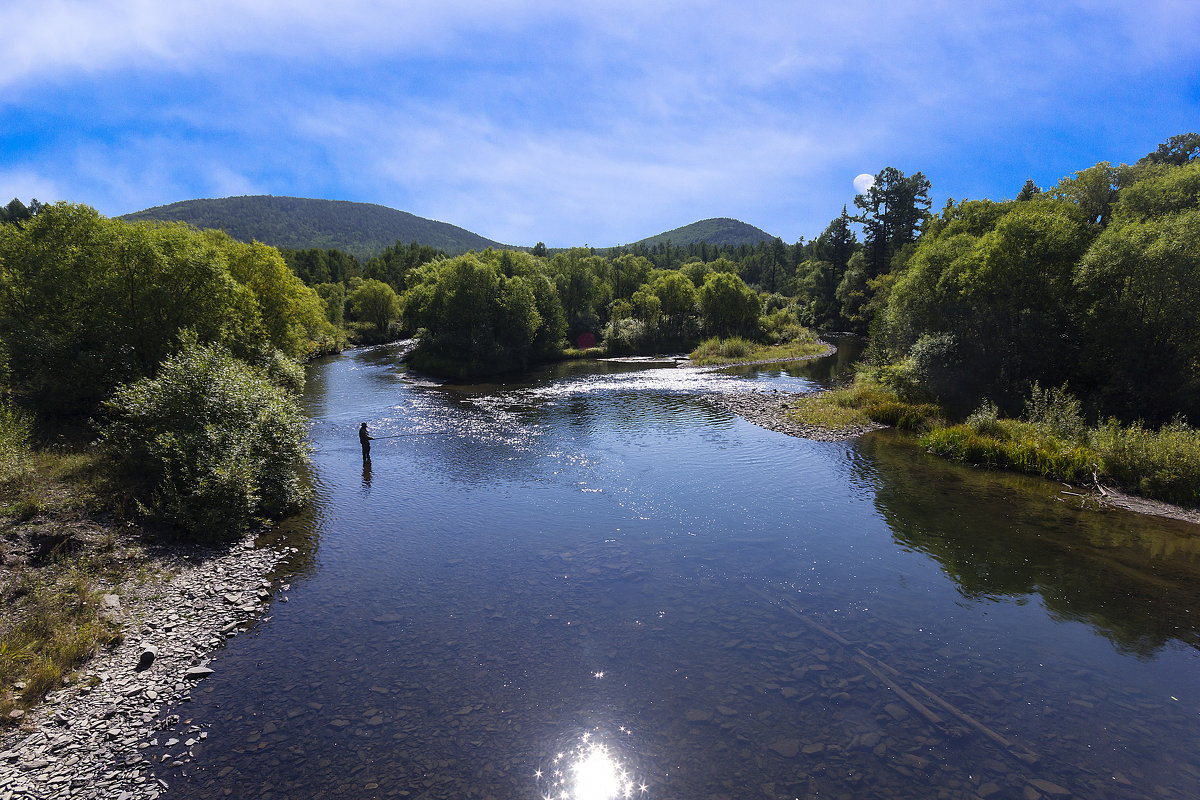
(720, 230)
(362, 229)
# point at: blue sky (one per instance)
(581, 123)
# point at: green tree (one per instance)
(892, 212)
(1140, 284)
(728, 307)
(677, 301)
(1029, 191)
(292, 314)
(1176, 151)
(87, 303)
(1095, 190)
(584, 288)
(376, 304)
(475, 320)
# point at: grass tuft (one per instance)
(716, 351)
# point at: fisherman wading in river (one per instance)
(365, 438)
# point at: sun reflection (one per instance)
(591, 771)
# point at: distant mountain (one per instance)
(363, 229)
(720, 230)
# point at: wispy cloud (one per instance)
(596, 121)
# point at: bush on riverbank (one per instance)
(1052, 440)
(1016, 445)
(209, 443)
(1164, 464)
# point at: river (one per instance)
(591, 583)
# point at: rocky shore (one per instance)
(769, 410)
(97, 738)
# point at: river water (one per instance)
(592, 583)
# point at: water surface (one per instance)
(591, 582)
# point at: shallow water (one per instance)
(592, 583)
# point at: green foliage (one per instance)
(316, 265)
(1055, 411)
(334, 296)
(1177, 150)
(677, 301)
(17, 212)
(1163, 463)
(88, 302)
(360, 229)
(1163, 191)
(394, 263)
(210, 442)
(728, 307)
(1014, 445)
(292, 314)
(1094, 190)
(863, 402)
(893, 210)
(1139, 288)
(16, 459)
(985, 420)
(583, 287)
(479, 321)
(784, 325)
(375, 304)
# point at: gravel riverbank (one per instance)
(97, 739)
(769, 410)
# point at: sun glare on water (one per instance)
(589, 772)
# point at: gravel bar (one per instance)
(97, 739)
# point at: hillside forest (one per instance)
(1089, 286)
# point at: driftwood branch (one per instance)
(1017, 751)
(925, 711)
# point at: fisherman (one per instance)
(365, 438)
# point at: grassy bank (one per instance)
(1051, 440)
(862, 403)
(59, 549)
(715, 351)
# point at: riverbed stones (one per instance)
(788, 748)
(85, 741)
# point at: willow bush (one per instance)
(210, 442)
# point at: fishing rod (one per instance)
(403, 435)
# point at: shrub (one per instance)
(1164, 464)
(211, 441)
(783, 325)
(985, 420)
(715, 348)
(1056, 411)
(626, 336)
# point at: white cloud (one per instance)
(26, 185)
